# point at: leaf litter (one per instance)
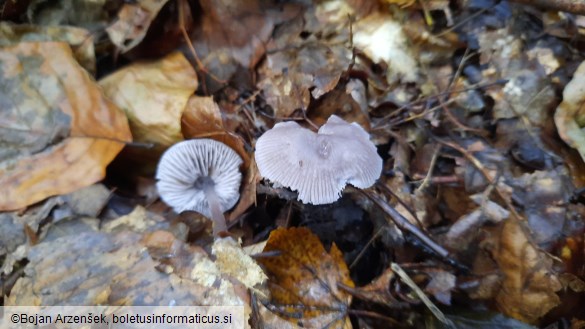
(474, 106)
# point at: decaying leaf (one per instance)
(59, 130)
(233, 35)
(233, 261)
(248, 191)
(304, 278)
(529, 285)
(87, 13)
(570, 114)
(139, 220)
(203, 119)
(121, 268)
(80, 40)
(154, 96)
(287, 75)
(133, 22)
(382, 39)
(13, 240)
(528, 92)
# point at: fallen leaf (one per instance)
(12, 231)
(570, 114)
(80, 40)
(201, 116)
(56, 121)
(248, 191)
(529, 285)
(379, 290)
(233, 261)
(234, 35)
(95, 268)
(203, 119)
(304, 278)
(91, 14)
(441, 285)
(381, 38)
(133, 22)
(154, 96)
(341, 104)
(139, 220)
(289, 77)
(88, 201)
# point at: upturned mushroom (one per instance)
(318, 165)
(200, 175)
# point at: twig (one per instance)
(427, 98)
(427, 178)
(431, 306)
(405, 225)
(399, 200)
(477, 164)
(359, 256)
(200, 65)
(570, 6)
(375, 315)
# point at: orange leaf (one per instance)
(304, 279)
(60, 130)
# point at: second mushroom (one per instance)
(318, 165)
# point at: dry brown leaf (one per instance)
(233, 35)
(304, 280)
(379, 290)
(341, 104)
(154, 96)
(570, 114)
(202, 115)
(529, 286)
(203, 119)
(287, 76)
(61, 132)
(248, 191)
(133, 22)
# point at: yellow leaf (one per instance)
(154, 96)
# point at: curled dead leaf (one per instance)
(133, 22)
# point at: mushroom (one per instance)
(318, 165)
(201, 175)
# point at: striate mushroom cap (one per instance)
(318, 165)
(187, 168)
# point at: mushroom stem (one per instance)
(217, 216)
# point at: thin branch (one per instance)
(570, 6)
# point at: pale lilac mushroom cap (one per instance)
(318, 165)
(200, 175)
